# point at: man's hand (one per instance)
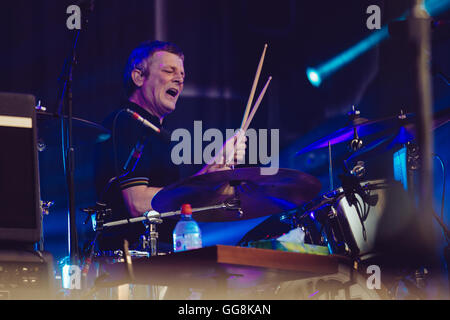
(232, 153)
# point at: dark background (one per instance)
(222, 41)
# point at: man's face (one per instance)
(164, 82)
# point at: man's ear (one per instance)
(138, 77)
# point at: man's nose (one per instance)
(179, 79)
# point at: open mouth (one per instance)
(172, 92)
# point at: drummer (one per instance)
(135, 163)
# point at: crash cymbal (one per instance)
(258, 195)
(389, 125)
(404, 132)
(84, 132)
(407, 128)
(364, 127)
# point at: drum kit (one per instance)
(346, 219)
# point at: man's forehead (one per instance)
(164, 58)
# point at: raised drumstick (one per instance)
(258, 102)
(255, 83)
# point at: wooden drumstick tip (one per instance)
(255, 83)
(256, 106)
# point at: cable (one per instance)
(113, 134)
(116, 168)
(116, 160)
(443, 192)
(444, 78)
(443, 184)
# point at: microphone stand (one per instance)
(69, 150)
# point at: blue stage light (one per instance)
(317, 74)
(435, 7)
(313, 77)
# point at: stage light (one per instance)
(317, 74)
(435, 7)
(313, 77)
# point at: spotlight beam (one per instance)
(317, 74)
(331, 66)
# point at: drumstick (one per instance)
(257, 103)
(252, 92)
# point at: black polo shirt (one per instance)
(134, 155)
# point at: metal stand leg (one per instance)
(150, 244)
(149, 241)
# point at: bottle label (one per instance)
(187, 241)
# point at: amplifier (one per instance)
(26, 275)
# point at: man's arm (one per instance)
(138, 199)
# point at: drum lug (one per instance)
(333, 213)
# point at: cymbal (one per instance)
(404, 132)
(84, 132)
(364, 127)
(259, 195)
(439, 119)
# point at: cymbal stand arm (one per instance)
(330, 166)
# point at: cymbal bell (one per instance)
(84, 132)
(255, 194)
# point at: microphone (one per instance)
(142, 120)
(163, 132)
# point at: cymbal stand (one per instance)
(330, 166)
(234, 203)
(153, 218)
(356, 143)
(149, 240)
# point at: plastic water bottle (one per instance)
(187, 234)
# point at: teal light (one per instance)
(313, 77)
(317, 74)
(435, 7)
